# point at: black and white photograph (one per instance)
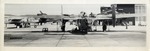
(75, 25)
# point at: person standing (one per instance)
(63, 25)
(83, 23)
(91, 15)
(104, 26)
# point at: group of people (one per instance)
(82, 23)
(83, 14)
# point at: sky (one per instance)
(52, 9)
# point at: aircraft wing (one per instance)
(44, 16)
(129, 15)
(102, 17)
(119, 16)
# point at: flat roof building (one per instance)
(137, 10)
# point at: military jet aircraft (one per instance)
(20, 22)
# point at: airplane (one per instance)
(121, 19)
(18, 21)
(44, 18)
(114, 18)
(23, 21)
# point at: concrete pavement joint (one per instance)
(87, 40)
(29, 42)
(60, 39)
(115, 40)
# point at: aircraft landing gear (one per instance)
(18, 26)
(35, 26)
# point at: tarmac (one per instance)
(134, 36)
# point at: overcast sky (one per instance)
(52, 9)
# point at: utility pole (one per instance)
(61, 15)
(113, 15)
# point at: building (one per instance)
(133, 14)
(140, 9)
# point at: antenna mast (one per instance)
(61, 9)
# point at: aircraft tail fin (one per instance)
(41, 12)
